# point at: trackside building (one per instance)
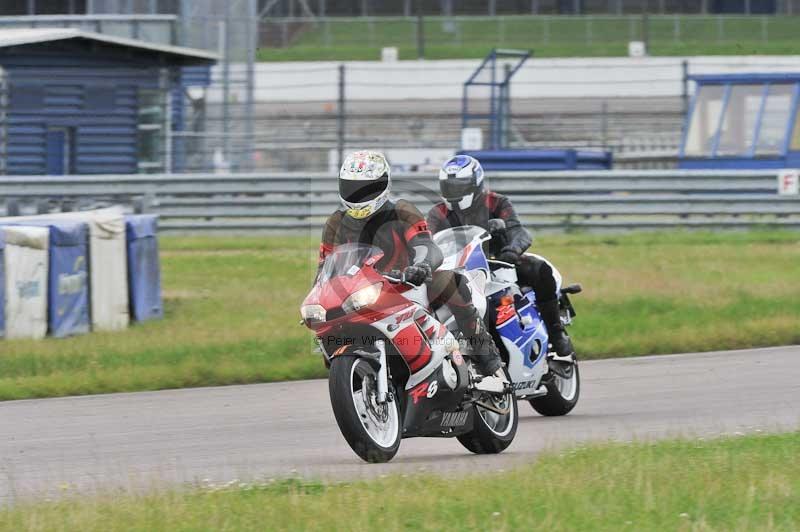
(75, 102)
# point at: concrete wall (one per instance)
(540, 78)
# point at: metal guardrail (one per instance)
(629, 199)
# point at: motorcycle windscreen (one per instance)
(144, 273)
(26, 267)
(347, 259)
(461, 247)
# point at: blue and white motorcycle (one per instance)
(551, 387)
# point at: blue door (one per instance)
(59, 153)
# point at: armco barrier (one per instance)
(620, 199)
(144, 273)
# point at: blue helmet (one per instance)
(460, 181)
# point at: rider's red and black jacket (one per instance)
(397, 228)
(485, 206)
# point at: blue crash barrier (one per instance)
(534, 160)
(144, 275)
(68, 276)
(2, 285)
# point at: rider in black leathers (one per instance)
(467, 202)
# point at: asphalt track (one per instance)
(138, 440)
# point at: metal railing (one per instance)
(545, 200)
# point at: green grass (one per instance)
(548, 36)
(232, 310)
(745, 483)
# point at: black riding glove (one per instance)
(508, 254)
(417, 274)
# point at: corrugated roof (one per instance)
(20, 36)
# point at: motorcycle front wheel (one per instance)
(371, 429)
(492, 433)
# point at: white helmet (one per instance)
(460, 180)
(364, 183)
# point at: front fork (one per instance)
(383, 373)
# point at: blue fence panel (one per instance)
(144, 273)
(2, 285)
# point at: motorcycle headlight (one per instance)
(313, 313)
(362, 298)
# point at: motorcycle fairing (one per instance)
(428, 409)
(525, 344)
(522, 331)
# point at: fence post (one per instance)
(645, 31)
(588, 30)
(604, 124)
(676, 27)
(420, 32)
(546, 29)
(685, 86)
(340, 116)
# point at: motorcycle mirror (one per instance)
(496, 224)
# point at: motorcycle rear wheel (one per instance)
(373, 431)
(492, 433)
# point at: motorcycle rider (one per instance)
(467, 202)
(398, 228)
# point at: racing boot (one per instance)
(560, 362)
(484, 351)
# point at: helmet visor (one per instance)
(455, 189)
(361, 190)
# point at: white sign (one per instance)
(637, 49)
(789, 182)
(471, 138)
(389, 54)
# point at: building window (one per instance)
(739, 123)
(795, 146)
(152, 129)
(777, 107)
(704, 121)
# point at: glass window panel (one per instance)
(705, 119)
(738, 125)
(151, 146)
(772, 136)
(795, 145)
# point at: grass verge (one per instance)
(745, 483)
(231, 310)
(567, 36)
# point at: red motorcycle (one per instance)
(395, 369)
